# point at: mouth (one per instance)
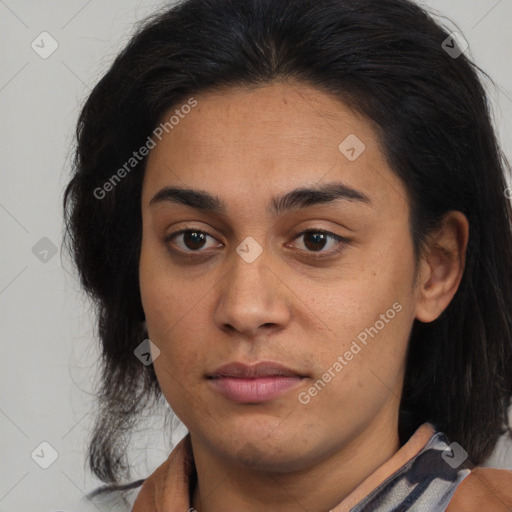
(257, 383)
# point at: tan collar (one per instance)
(168, 487)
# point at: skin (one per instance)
(246, 146)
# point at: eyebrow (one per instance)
(298, 198)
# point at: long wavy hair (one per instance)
(385, 59)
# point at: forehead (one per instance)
(265, 140)
(271, 118)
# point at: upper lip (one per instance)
(258, 370)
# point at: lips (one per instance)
(261, 369)
(257, 383)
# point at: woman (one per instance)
(293, 218)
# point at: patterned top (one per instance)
(426, 483)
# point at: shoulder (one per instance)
(108, 501)
(484, 488)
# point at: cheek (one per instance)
(171, 311)
(355, 300)
(363, 371)
(165, 299)
(174, 328)
(368, 316)
(174, 321)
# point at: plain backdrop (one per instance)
(49, 351)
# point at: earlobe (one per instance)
(441, 267)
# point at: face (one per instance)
(311, 297)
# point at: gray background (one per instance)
(48, 368)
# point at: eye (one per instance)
(191, 240)
(315, 240)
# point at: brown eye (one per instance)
(192, 240)
(315, 240)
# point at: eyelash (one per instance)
(342, 241)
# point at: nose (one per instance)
(252, 298)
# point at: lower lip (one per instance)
(254, 390)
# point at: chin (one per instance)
(258, 450)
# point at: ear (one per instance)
(441, 267)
